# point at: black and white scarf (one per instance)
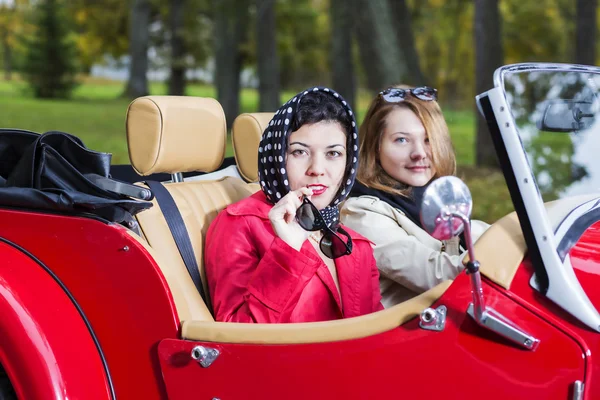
(273, 149)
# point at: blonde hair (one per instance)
(370, 173)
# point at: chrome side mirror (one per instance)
(444, 198)
(445, 213)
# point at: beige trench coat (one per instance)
(410, 261)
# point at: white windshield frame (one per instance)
(564, 288)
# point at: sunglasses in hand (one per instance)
(331, 244)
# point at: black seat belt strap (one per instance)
(180, 235)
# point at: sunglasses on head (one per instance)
(395, 95)
(331, 244)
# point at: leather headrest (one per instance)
(171, 134)
(245, 134)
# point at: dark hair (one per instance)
(318, 106)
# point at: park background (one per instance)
(74, 65)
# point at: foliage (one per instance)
(538, 31)
(13, 26)
(303, 42)
(196, 33)
(444, 40)
(491, 198)
(50, 61)
(99, 32)
(543, 30)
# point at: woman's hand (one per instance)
(283, 218)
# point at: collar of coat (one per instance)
(349, 303)
(257, 205)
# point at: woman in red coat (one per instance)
(262, 264)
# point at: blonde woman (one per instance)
(404, 145)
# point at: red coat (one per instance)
(254, 276)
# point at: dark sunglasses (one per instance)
(332, 245)
(394, 95)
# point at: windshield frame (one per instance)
(553, 276)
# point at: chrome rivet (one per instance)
(205, 355)
(507, 124)
(528, 342)
(433, 319)
(502, 108)
(125, 248)
(428, 315)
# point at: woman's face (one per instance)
(404, 150)
(316, 158)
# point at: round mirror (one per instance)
(442, 198)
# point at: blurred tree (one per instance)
(100, 32)
(181, 46)
(178, 53)
(303, 43)
(230, 30)
(267, 58)
(50, 63)
(444, 40)
(585, 41)
(379, 50)
(13, 26)
(405, 38)
(342, 60)
(139, 20)
(488, 57)
(7, 20)
(549, 39)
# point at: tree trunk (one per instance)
(139, 22)
(453, 94)
(177, 78)
(379, 51)
(406, 40)
(342, 62)
(267, 58)
(488, 57)
(585, 42)
(231, 22)
(7, 55)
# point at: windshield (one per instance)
(558, 120)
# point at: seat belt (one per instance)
(180, 235)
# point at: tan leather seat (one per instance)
(181, 134)
(245, 135)
(172, 134)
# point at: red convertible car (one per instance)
(97, 300)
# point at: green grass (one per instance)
(96, 114)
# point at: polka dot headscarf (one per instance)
(273, 149)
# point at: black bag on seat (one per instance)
(55, 171)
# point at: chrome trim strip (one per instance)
(527, 67)
(575, 224)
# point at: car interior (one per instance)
(171, 134)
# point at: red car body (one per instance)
(122, 301)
